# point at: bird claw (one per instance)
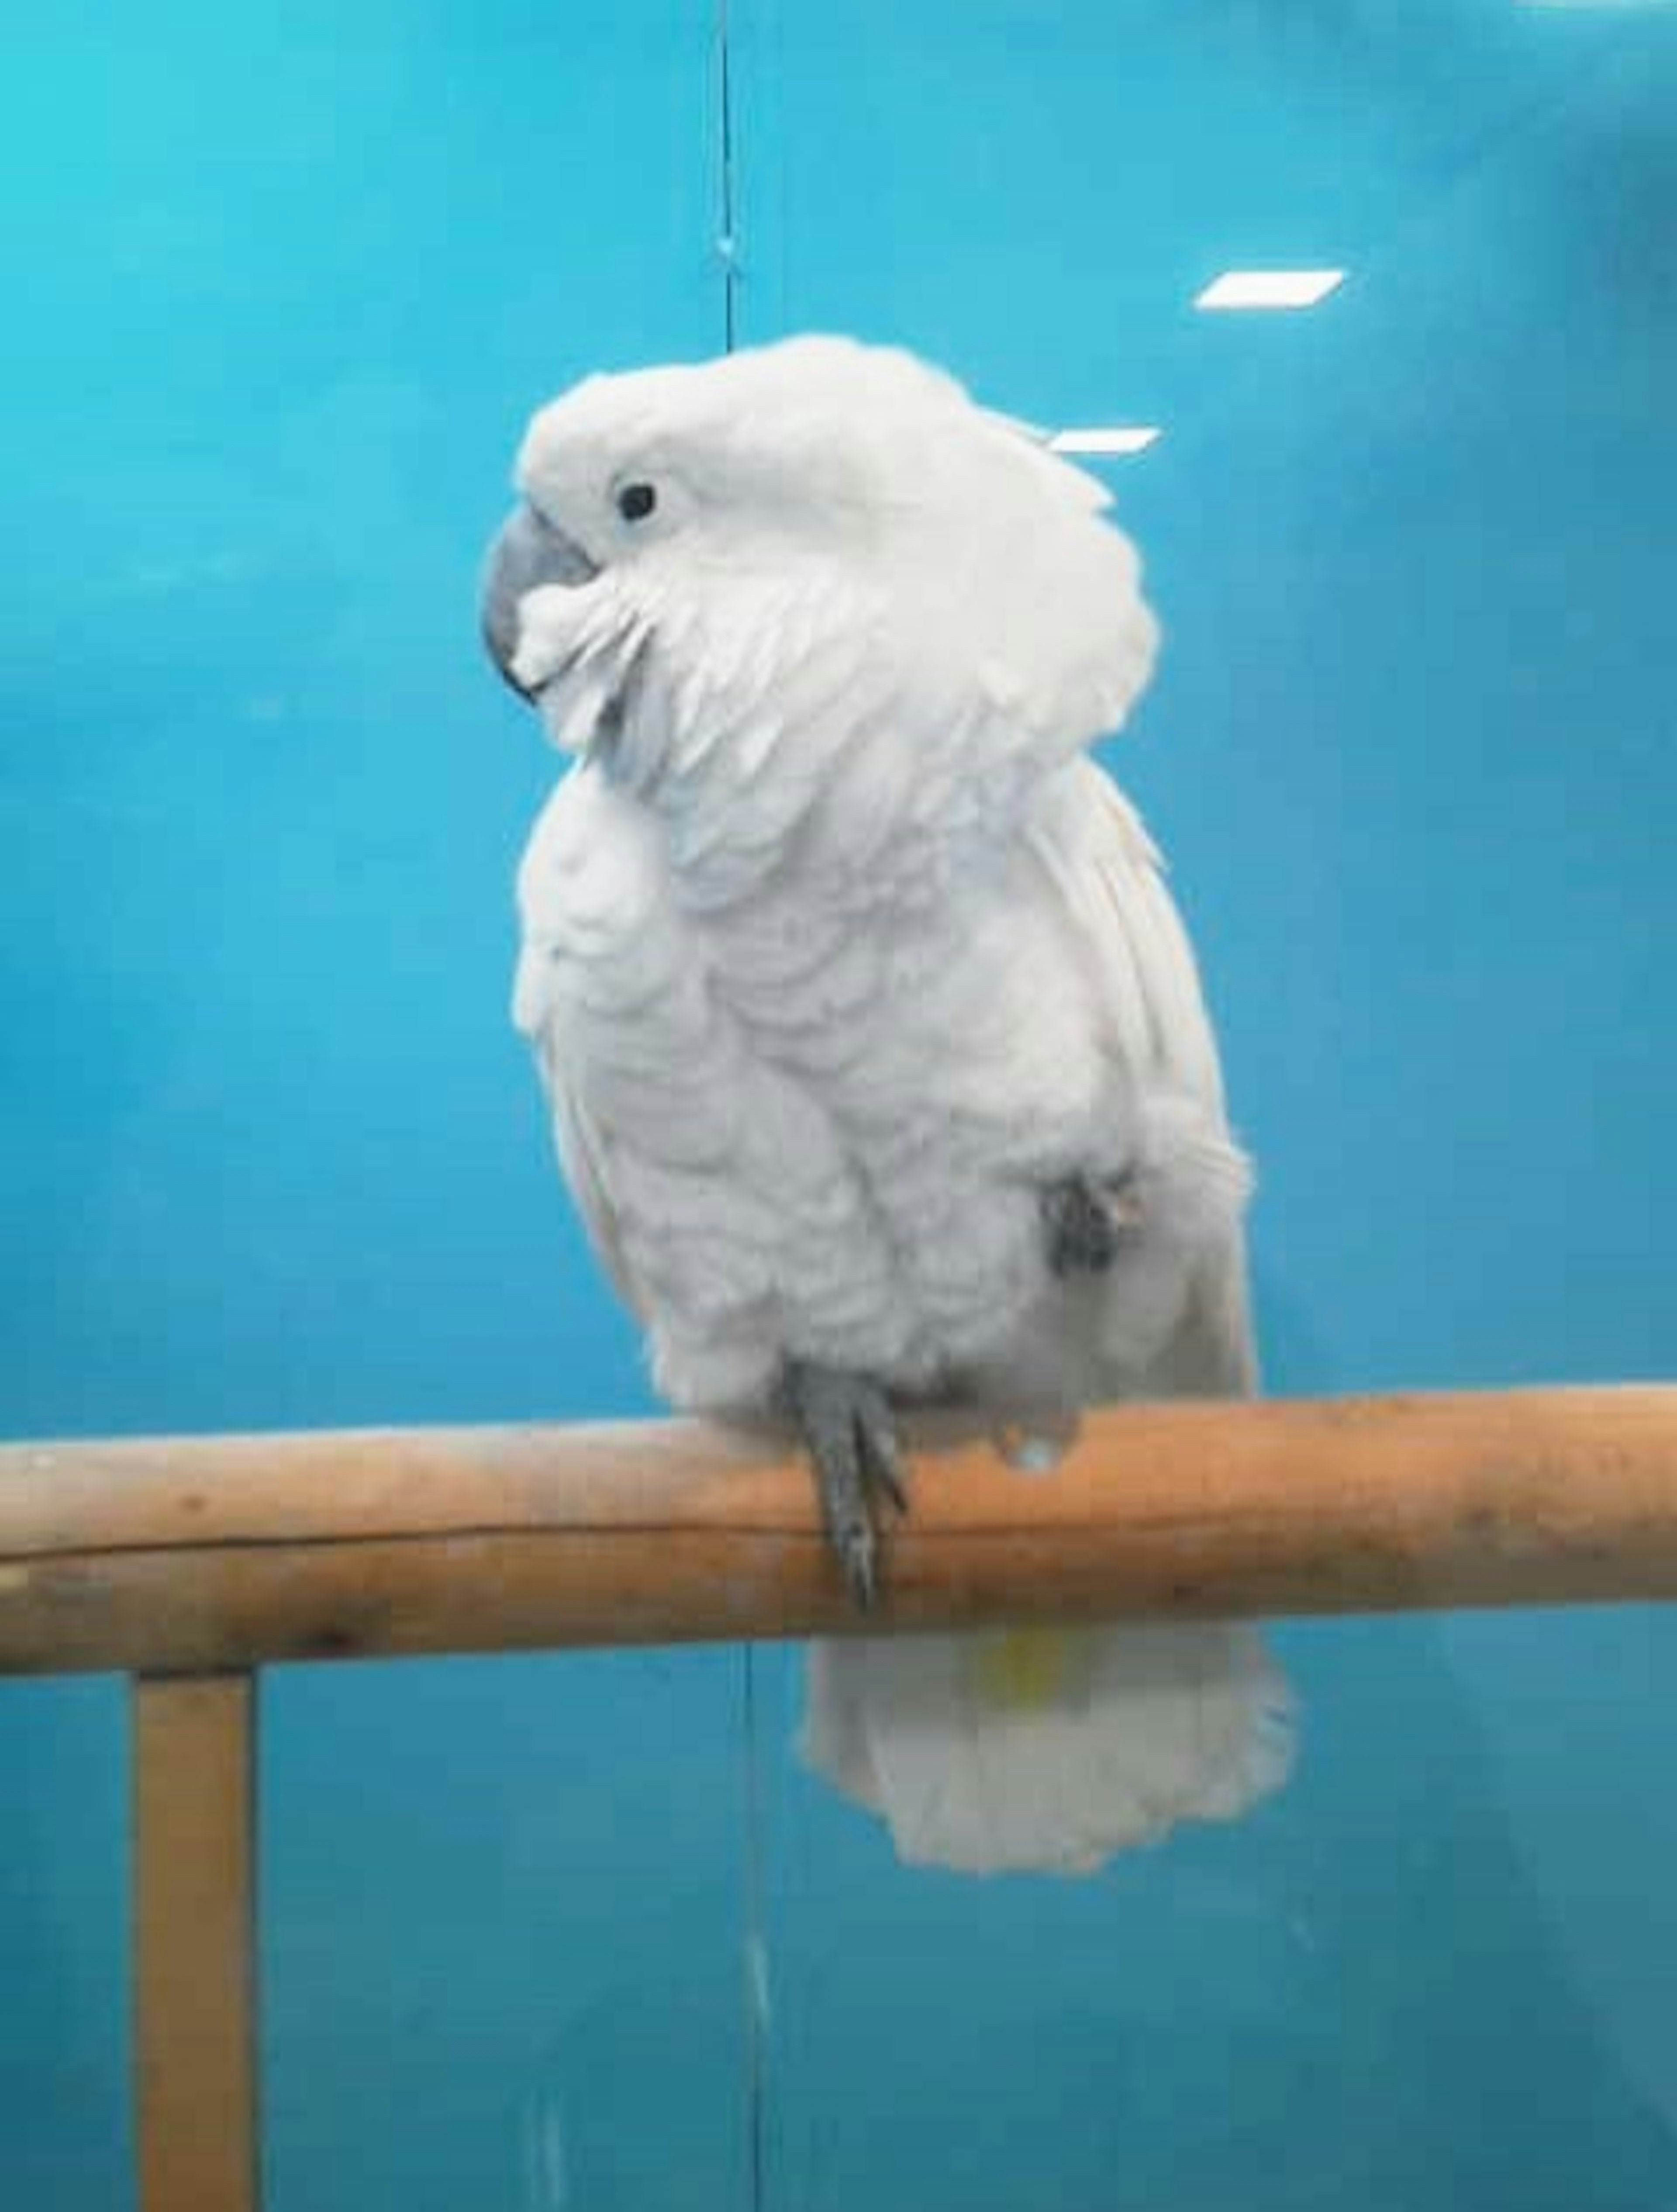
(847, 1426)
(1085, 1222)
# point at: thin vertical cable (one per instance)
(727, 239)
(755, 1958)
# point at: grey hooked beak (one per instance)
(527, 553)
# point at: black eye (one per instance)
(635, 502)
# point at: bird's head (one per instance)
(687, 538)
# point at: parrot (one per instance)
(877, 1056)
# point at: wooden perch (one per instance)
(204, 1553)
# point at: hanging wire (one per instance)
(727, 233)
(756, 1954)
(754, 1960)
(756, 1957)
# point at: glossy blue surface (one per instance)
(280, 294)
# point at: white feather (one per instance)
(1147, 1727)
(836, 950)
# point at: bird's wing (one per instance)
(1108, 875)
(1051, 1748)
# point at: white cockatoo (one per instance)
(875, 1051)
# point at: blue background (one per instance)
(280, 287)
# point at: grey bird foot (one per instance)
(846, 1425)
(1085, 1222)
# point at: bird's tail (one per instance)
(1047, 1748)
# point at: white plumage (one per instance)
(838, 952)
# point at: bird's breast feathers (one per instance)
(810, 1120)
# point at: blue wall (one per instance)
(280, 293)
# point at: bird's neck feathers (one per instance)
(870, 722)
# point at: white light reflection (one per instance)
(1270, 288)
(1119, 438)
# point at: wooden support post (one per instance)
(194, 1943)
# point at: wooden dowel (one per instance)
(224, 1551)
(194, 1944)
